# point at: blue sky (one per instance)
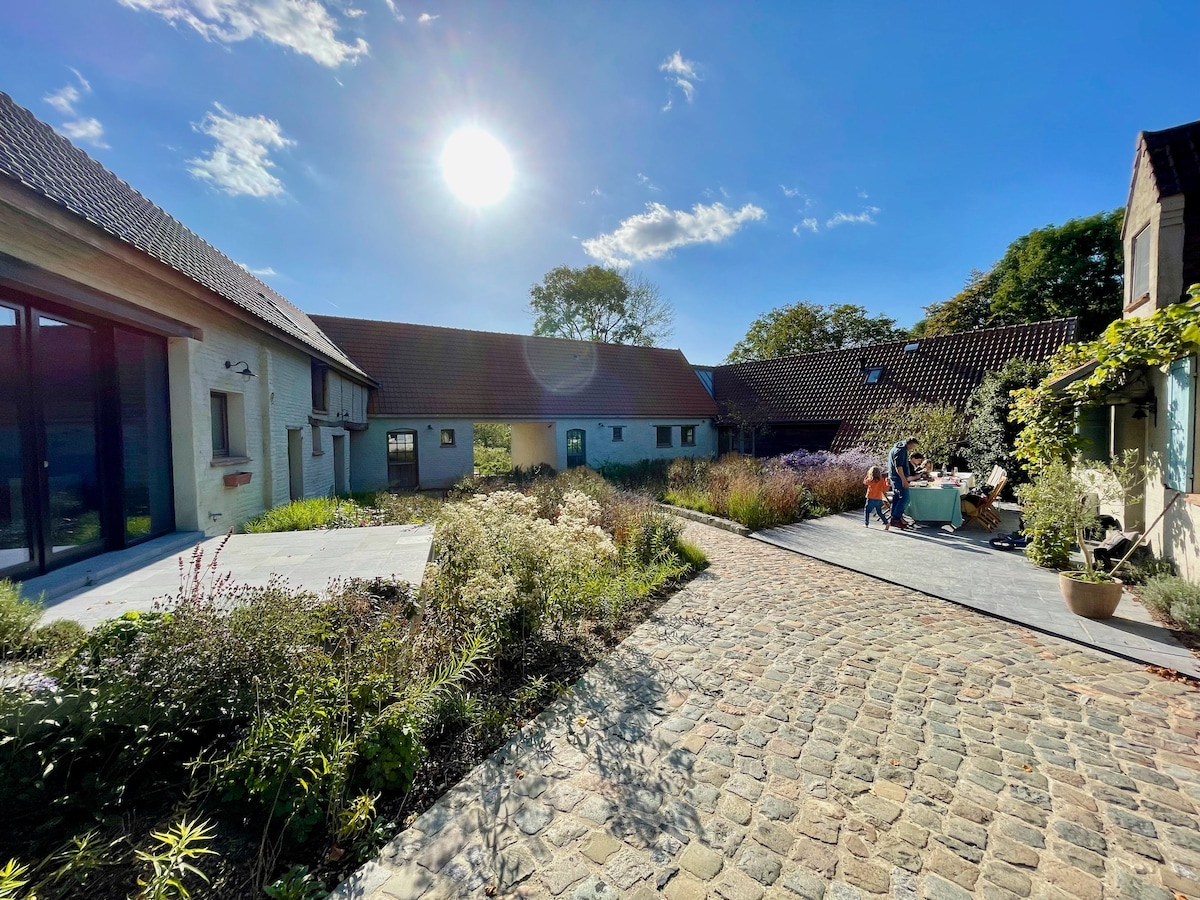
(741, 157)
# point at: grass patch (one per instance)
(355, 511)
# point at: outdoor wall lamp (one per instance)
(1146, 405)
(244, 371)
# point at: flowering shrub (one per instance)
(756, 494)
(835, 479)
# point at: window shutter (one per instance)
(1181, 408)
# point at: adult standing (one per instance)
(898, 471)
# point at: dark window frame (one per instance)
(219, 409)
(684, 432)
(320, 386)
(873, 375)
(1140, 240)
(442, 442)
(618, 434)
(659, 431)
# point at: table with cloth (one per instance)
(935, 503)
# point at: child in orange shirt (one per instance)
(876, 485)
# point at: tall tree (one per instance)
(805, 327)
(990, 431)
(596, 303)
(1074, 269)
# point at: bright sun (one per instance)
(476, 167)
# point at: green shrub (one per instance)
(299, 515)
(1174, 597)
(692, 554)
(1144, 565)
(490, 461)
(648, 476)
(17, 618)
(56, 638)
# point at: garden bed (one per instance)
(293, 734)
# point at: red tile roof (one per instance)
(425, 370)
(831, 386)
(34, 155)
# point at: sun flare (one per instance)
(476, 167)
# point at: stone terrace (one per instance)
(784, 728)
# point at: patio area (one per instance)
(961, 566)
(307, 560)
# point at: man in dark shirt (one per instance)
(898, 469)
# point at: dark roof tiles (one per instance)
(32, 153)
(429, 371)
(1175, 158)
(831, 386)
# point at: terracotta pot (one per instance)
(236, 479)
(1089, 599)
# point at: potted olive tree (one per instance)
(1061, 506)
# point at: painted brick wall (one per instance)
(639, 440)
(437, 466)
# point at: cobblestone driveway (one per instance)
(785, 728)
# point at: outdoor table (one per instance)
(937, 503)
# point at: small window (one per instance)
(618, 433)
(873, 375)
(687, 435)
(219, 405)
(320, 386)
(447, 437)
(664, 435)
(1140, 273)
(912, 346)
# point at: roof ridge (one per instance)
(901, 341)
(539, 337)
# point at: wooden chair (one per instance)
(985, 512)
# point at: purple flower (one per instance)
(35, 683)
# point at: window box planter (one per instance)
(236, 479)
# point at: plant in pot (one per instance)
(1061, 506)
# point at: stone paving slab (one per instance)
(961, 567)
(785, 728)
(307, 560)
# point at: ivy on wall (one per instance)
(1126, 347)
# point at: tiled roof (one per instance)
(1175, 158)
(831, 386)
(425, 370)
(33, 154)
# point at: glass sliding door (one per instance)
(16, 539)
(65, 384)
(147, 505)
(85, 436)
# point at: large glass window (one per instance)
(147, 502)
(1140, 268)
(663, 435)
(16, 547)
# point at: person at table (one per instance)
(898, 469)
(918, 468)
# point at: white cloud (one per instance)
(866, 217)
(806, 225)
(89, 130)
(241, 162)
(65, 100)
(790, 192)
(659, 230)
(681, 73)
(426, 19)
(391, 5)
(262, 273)
(863, 195)
(677, 65)
(355, 13)
(304, 26)
(644, 181)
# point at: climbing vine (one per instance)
(1125, 347)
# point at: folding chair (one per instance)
(985, 513)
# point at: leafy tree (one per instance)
(806, 327)
(596, 303)
(967, 310)
(1074, 269)
(990, 432)
(938, 428)
(493, 434)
